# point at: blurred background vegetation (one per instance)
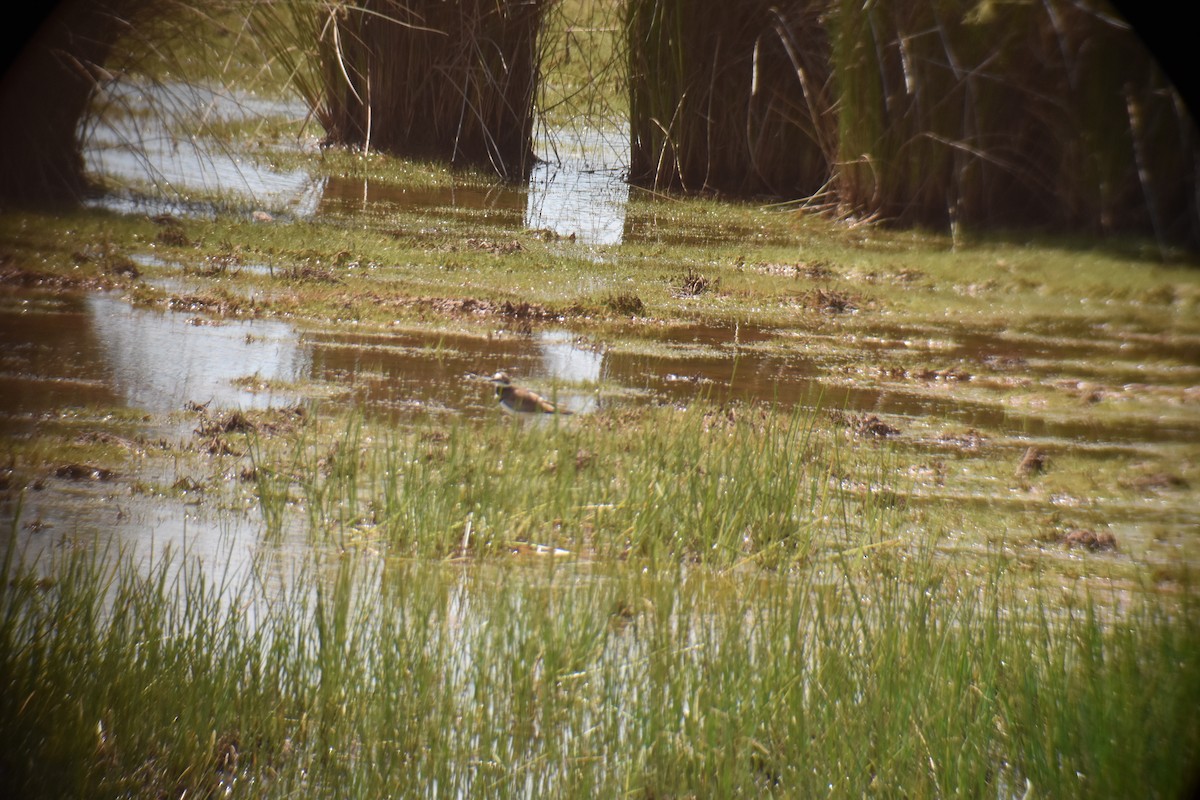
(938, 113)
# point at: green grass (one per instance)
(361, 675)
(756, 260)
(711, 485)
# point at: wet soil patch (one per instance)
(71, 348)
(83, 472)
(14, 276)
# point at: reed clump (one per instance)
(731, 97)
(920, 112)
(1009, 114)
(452, 81)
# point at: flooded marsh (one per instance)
(839, 510)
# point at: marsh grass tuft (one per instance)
(626, 304)
(721, 487)
(350, 674)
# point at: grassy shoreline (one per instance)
(370, 675)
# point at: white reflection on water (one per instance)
(156, 134)
(163, 135)
(579, 188)
(564, 360)
(160, 361)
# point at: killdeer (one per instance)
(522, 401)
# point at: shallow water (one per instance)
(501, 206)
(94, 349)
(154, 134)
(578, 188)
(576, 192)
(49, 354)
(69, 349)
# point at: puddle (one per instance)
(49, 355)
(68, 350)
(392, 373)
(61, 350)
(576, 191)
(397, 374)
(1088, 349)
(159, 361)
(89, 515)
(65, 350)
(137, 137)
(498, 205)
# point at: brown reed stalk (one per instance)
(1009, 114)
(1047, 114)
(730, 97)
(452, 80)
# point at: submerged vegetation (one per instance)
(842, 510)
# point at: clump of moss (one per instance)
(625, 304)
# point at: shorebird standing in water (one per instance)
(522, 401)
